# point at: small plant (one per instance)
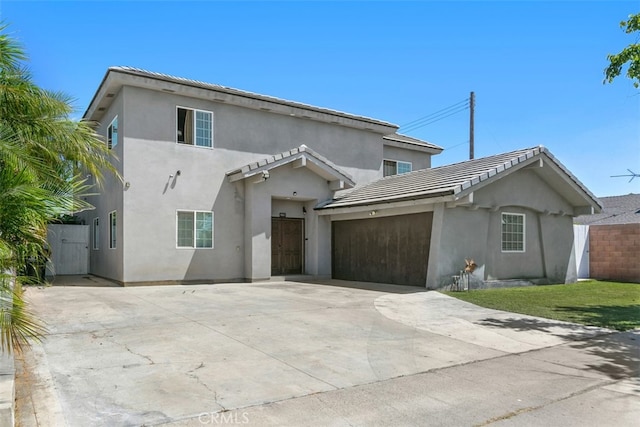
(471, 266)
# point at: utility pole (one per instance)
(472, 104)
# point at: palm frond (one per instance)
(17, 324)
(44, 158)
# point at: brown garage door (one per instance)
(392, 249)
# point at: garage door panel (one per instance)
(385, 250)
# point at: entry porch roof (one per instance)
(301, 156)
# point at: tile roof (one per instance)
(243, 93)
(450, 180)
(287, 157)
(410, 140)
(616, 210)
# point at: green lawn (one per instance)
(605, 304)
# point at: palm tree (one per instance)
(44, 157)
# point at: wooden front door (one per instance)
(287, 249)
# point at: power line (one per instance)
(434, 113)
(436, 116)
(435, 119)
(459, 105)
(457, 145)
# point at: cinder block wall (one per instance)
(614, 252)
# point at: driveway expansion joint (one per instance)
(551, 402)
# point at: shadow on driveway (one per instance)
(617, 355)
(367, 286)
(81, 280)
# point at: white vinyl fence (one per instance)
(581, 246)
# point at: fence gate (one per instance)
(69, 245)
(581, 245)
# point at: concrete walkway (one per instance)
(331, 353)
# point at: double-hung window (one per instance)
(112, 134)
(96, 233)
(194, 127)
(513, 232)
(395, 167)
(194, 229)
(113, 228)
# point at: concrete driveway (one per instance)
(331, 353)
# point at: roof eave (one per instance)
(136, 77)
(428, 197)
(574, 183)
(97, 96)
(305, 156)
(403, 141)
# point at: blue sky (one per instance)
(536, 67)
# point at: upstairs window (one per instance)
(513, 227)
(194, 127)
(194, 229)
(395, 167)
(112, 134)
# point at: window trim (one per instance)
(110, 144)
(113, 230)
(396, 162)
(524, 233)
(194, 212)
(194, 127)
(96, 233)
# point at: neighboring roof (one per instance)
(404, 139)
(249, 97)
(306, 157)
(616, 210)
(457, 180)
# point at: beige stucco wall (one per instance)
(472, 229)
(417, 159)
(252, 135)
(242, 210)
(104, 261)
(475, 232)
(265, 199)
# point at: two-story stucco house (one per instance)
(221, 184)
